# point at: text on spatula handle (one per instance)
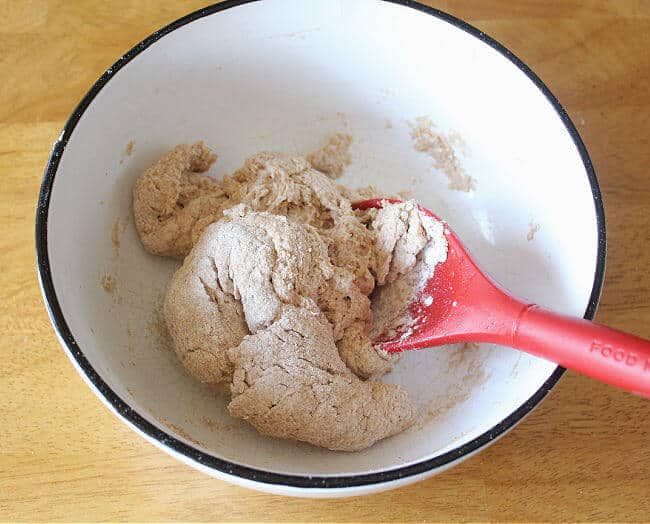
(630, 358)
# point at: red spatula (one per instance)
(463, 304)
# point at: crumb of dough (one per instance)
(128, 149)
(119, 226)
(273, 296)
(533, 228)
(115, 236)
(333, 157)
(440, 148)
(388, 124)
(108, 283)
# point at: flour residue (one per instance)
(441, 148)
(216, 426)
(182, 432)
(466, 364)
(156, 329)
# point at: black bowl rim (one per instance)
(206, 460)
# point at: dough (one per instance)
(333, 157)
(245, 267)
(289, 186)
(273, 294)
(290, 382)
(203, 321)
(264, 261)
(172, 202)
(361, 356)
(400, 237)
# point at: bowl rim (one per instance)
(221, 466)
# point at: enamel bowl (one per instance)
(283, 75)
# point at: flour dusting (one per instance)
(440, 148)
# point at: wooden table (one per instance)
(583, 455)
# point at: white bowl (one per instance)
(283, 74)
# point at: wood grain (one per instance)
(582, 456)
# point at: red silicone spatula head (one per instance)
(454, 305)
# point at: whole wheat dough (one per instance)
(273, 273)
(290, 186)
(203, 321)
(273, 295)
(171, 199)
(290, 382)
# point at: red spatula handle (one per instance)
(598, 351)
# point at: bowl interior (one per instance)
(283, 75)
